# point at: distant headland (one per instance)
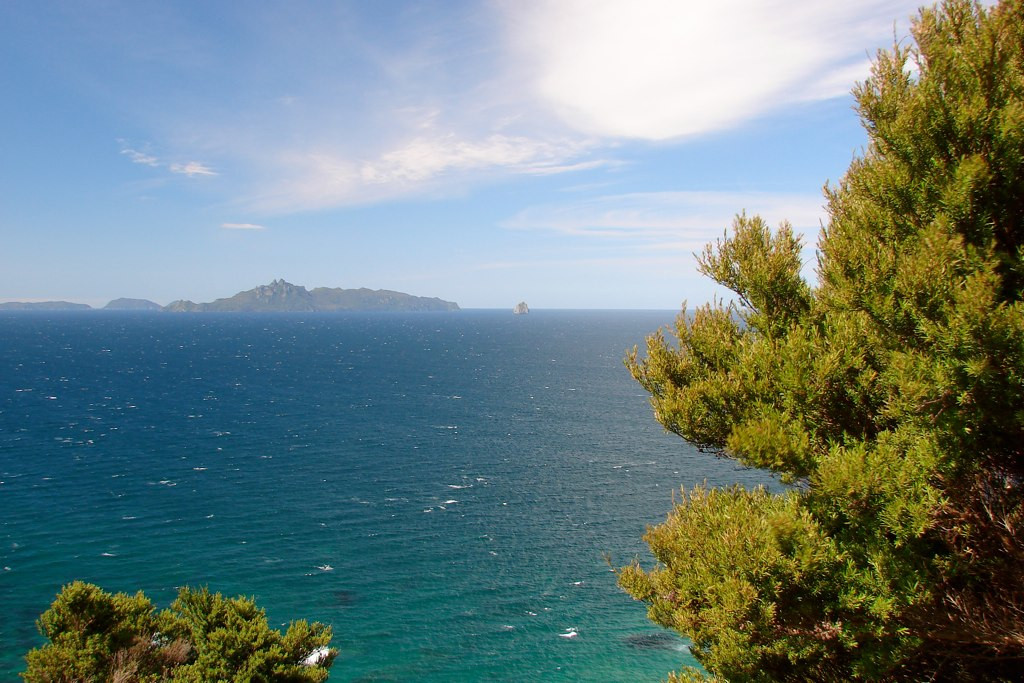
(277, 297)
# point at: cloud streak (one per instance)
(138, 157)
(426, 158)
(242, 226)
(683, 218)
(425, 163)
(190, 168)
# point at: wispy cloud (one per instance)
(424, 163)
(684, 219)
(425, 158)
(631, 260)
(138, 157)
(242, 226)
(192, 169)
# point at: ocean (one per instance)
(448, 491)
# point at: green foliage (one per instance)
(86, 627)
(96, 636)
(737, 589)
(233, 642)
(891, 395)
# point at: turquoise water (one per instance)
(443, 489)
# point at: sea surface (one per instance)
(446, 490)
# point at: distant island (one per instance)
(44, 306)
(132, 305)
(521, 308)
(278, 296)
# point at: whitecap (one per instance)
(569, 633)
(325, 567)
(108, 554)
(450, 502)
(315, 657)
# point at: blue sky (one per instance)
(570, 153)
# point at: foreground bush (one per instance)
(97, 636)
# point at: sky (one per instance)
(566, 153)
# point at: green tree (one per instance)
(890, 395)
(232, 642)
(97, 636)
(87, 628)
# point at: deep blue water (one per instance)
(443, 489)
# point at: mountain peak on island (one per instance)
(279, 288)
(283, 296)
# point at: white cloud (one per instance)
(421, 164)
(242, 226)
(607, 69)
(425, 158)
(632, 261)
(660, 69)
(670, 219)
(138, 157)
(192, 169)
(435, 104)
